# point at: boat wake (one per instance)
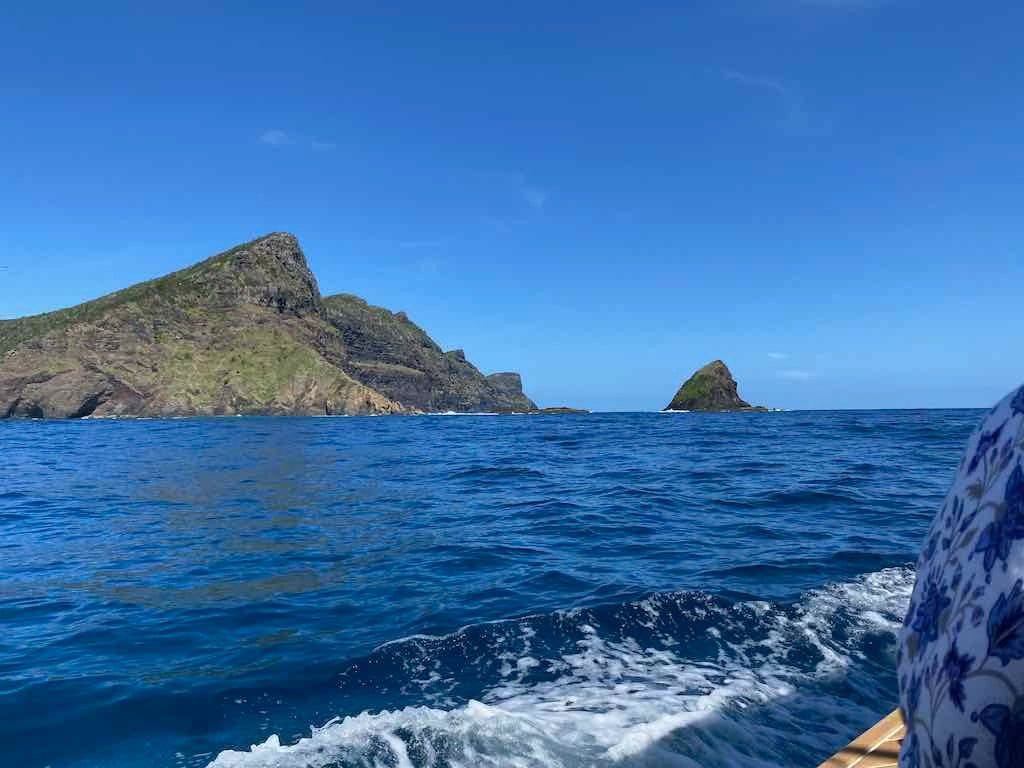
(678, 679)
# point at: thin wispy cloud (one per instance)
(407, 244)
(796, 118)
(412, 245)
(426, 256)
(757, 81)
(777, 355)
(843, 5)
(535, 197)
(500, 224)
(517, 183)
(792, 7)
(276, 137)
(428, 266)
(512, 200)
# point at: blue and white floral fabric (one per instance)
(961, 658)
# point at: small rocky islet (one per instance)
(711, 388)
(243, 332)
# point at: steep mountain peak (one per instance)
(274, 250)
(270, 271)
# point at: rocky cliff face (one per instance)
(394, 356)
(712, 388)
(245, 331)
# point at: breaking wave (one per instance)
(678, 679)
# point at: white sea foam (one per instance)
(463, 413)
(614, 701)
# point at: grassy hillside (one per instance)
(172, 288)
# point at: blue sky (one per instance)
(827, 194)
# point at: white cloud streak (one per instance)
(796, 119)
(843, 5)
(410, 245)
(757, 81)
(275, 137)
(535, 197)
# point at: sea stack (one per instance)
(712, 388)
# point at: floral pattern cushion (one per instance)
(961, 657)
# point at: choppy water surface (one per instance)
(622, 589)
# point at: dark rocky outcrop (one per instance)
(394, 356)
(712, 388)
(509, 386)
(245, 331)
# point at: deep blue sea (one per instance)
(614, 589)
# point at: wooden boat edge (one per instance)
(877, 747)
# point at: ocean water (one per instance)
(604, 590)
